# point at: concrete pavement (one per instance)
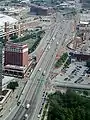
(72, 85)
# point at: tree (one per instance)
(68, 106)
(88, 63)
(85, 93)
(12, 85)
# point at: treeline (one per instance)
(61, 60)
(35, 45)
(68, 106)
(15, 38)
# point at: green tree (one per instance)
(85, 93)
(12, 85)
(88, 63)
(68, 106)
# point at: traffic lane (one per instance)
(37, 111)
(51, 31)
(32, 102)
(51, 55)
(35, 80)
(37, 96)
(33, 75)
(30, 93)
(48, 35)
(21, 98)
(40, 96)
(43, 56)
(27, 102)
(43, 69)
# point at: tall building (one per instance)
(1, 46)
(16, 58)
(40, 10)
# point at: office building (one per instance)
(40, 10)
(1, 46)
(16, 59)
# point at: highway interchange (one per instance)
(35, 87)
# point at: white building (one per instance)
(8, 25)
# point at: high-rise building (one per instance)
(1, 67)
(16, 58)
(16, 54)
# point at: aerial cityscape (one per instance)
(44, 59)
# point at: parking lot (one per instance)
(75, 73)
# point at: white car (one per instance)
(48, 47)
(53, 38)
(27, 106)
(44, 72)
(57, 43)
(26, 115)
(39, 116)
(40, 69)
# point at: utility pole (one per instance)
(1, 46)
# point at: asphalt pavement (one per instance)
(32, 93)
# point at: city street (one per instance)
(34, 88)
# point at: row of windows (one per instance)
(13, 49)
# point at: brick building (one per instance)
(16, 59)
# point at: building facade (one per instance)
(80, 56)
(40, 10)
(16, 58)
(1, 46)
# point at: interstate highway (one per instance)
(37, 80)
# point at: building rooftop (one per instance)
(42, 7)
(6, 80)
(16, 45)
(15, 67)
(8, 19)
(85, 17)
(84, 23)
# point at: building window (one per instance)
(13, 49)
(20, 51)
(8, 48)
(17, 49)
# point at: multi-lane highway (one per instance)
(34, 88)
(59, 38)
